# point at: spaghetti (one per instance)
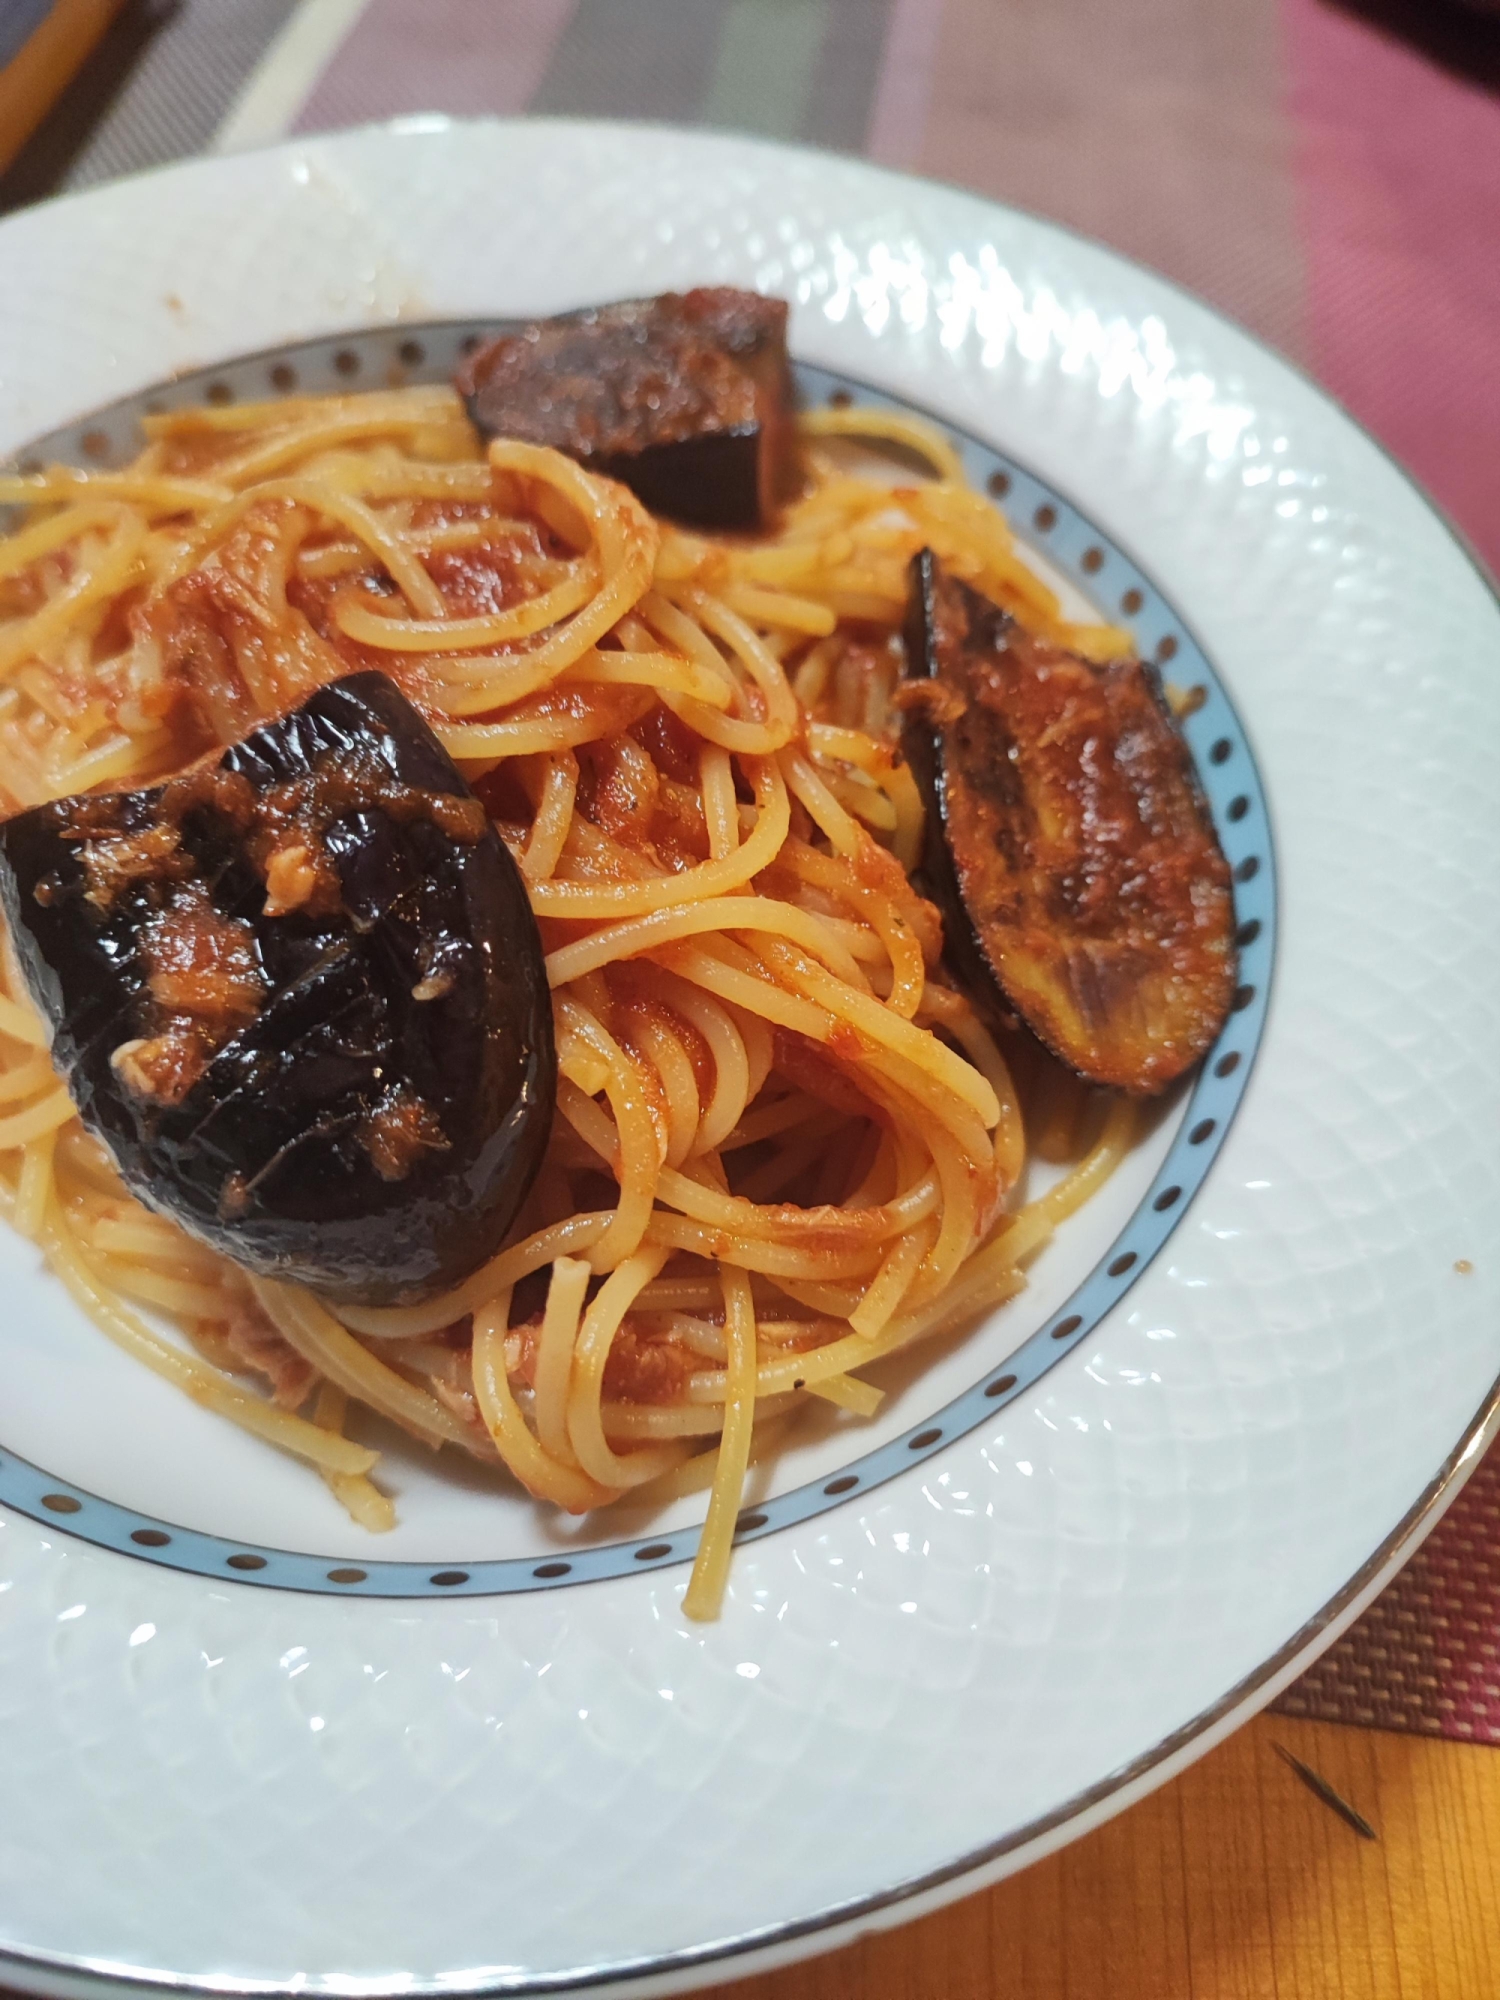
(783, 1146)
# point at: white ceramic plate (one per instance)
(239, 1751)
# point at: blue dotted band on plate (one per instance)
(1236, 800)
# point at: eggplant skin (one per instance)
(687, 399)
(353, 1094)
(1068, 844)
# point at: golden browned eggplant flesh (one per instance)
(1068, 844)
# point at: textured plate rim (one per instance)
(838, 1924)
(827, 1929)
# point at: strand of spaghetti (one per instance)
(1098, 1164)
(405, 571)
(665, 673)
(964, 1171)
(469, 480)
(849, 746)
(712, 968)
(776, 1115)
(312, 1330)
(710, 878)
(927, 1100)
(506, 678)
(157, 492)
(34, 1187)
(554, 1355)
(889, 1286)
(55, 1109)
(639, 1157)
(708, 914)
(436, 632)
(726, 1102)
(554, 815)
(320, 498)
(849, 1393)
(765, 670)
(661, 614)
(21, 1024)
(205, 1385)
(1030, 1228)
(705, 1591)
(862, 799)
(891, 427)
(284, 447)
(595, 1337)
(366, 1505)
(489, 743)
(54, 531)
(121, 756)
(771, 1259)
(674, 1071)
(541, 1475)
(962, 1307)
(88, 1163)
(720, 807)
(739, 732)
(789, 1224)
(156, 1288)
(32, 1074)
(426, 400)
(637, 1423)
(779, 607)
(886, 1029)
(957, 521)
(137, 1233)
(901, 805)
(625, 538)
(760, 1045)
(567, 1238)
(794, 1371)
(877, 908)
(793, 559)
(804, 784)
(955, 1013)
(696, 1474)
(94, 580)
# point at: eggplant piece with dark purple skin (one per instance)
(299, 993)
(1068, 845)
(687, 399)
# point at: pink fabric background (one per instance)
(1398, 178)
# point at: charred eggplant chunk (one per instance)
(299, 993)
(686, 399)
(1068, 844)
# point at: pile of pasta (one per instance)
(784, 1144)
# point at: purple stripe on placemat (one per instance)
(898, 113)
(465, 57)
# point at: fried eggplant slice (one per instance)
(1068, 844)
(686, 399)
(299, 993)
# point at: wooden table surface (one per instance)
(1233, 1883)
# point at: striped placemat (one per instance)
(1327, 173)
